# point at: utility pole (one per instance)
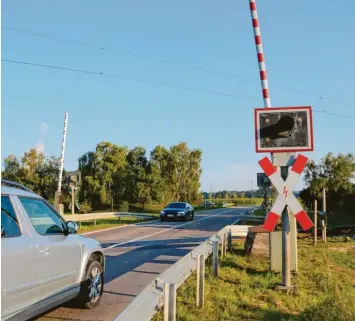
(72, 198)
(315, 221)
(282, 159)
(325, 214)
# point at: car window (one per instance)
(9, 223)
(176, 205)
(44, 220)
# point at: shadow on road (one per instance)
(147, 252)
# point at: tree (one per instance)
(101, 167)
(334, 173)
(137, 182)
(12, 168)
(34, 171)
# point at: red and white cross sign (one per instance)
(285, 197)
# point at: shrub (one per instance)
(85, 208)
(124, 207)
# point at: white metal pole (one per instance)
(61, 161)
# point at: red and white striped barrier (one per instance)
(260, 53)
(285, 197)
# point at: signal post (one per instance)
(282, 132)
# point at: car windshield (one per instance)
(176, 205)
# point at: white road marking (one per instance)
(168, 229)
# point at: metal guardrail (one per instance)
(98, 216)
(146, 304)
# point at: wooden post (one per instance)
(169, 302)
(200, 288)
(325, 214)
(315, 221)
(230, 239)
(323, 234)
(223, 244)
(95, 221)
(215, 257)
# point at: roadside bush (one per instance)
(85, 208)
(124, 207)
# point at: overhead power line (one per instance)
(166, 61)
(147, 81)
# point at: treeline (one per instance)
(116, 177)
(336, 174)
(230, 195)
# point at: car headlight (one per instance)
(162, 212)
(182, 212)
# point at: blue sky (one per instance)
(308, 46)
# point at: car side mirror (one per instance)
(72, 227)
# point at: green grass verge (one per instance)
(101, 224)
(245, 289)
(260, 212)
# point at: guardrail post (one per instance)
(215, 256)
(169, 302)
(200, 288)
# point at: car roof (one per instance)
(7, 190)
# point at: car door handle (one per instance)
(44, 251)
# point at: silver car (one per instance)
(44, 263)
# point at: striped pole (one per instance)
(260, 54)
(61, 161)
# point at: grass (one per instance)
(101, 224)
(245, 289)
(260, 212)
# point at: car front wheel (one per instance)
(93, 286)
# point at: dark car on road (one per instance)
(178, 210)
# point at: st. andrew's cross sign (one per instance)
(285, 190)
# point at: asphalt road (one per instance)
(136, 254)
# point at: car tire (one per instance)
(193, 216)
(162, 219)
(92, 287)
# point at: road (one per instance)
(136, 254)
